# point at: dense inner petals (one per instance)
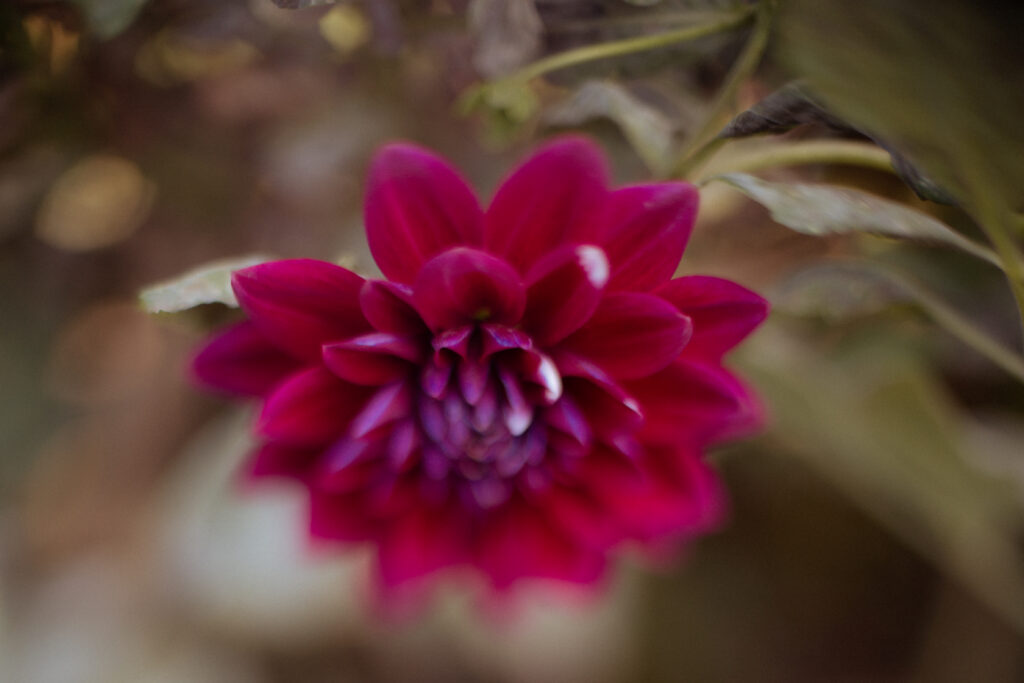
(479, 412)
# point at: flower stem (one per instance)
(627, 46)
(697, 148)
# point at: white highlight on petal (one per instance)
(594, 263)
(518, 420)
(551, 379)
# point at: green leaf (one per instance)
(792, 106)
(939, 81)
(207, 284)
(786, 108)
(820, 210)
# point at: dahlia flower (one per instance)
(526, 390)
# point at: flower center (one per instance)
(479, 418)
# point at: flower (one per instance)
(527, 391)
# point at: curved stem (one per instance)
(960, 327)
(809, 152)
(748, 60)
(627, 46)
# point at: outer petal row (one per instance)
(722, 311)
(300, 304)
(416, 206)
(555, 197)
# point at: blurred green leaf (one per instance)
(814, 209)
(871, 420)
(649, 130)
(792, 106)
(782, 110)
(840, 291)
(207, 284)
(940, 81)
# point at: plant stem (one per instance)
(628, 46)
(809, 152)
(741, 70)
(959, 326)
(996, 221)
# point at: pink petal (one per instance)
(389, 404)
(519, 543)
(388, 307)
(580, 517)
(463, 286)
(372, 359)
(553, 198)
(403, 446)
(677, 495)
(568, 418)
(631, 335)
(417, 205)
(723, 312)
(347, 453)
(418, 544)
(611, 416)
(539, 372)
(240, 360)
(648, 227)
(300, 304)
(277, 460)
(694, 401)
(312, 407)
(563, 291)
(339, 517)
(501, 338)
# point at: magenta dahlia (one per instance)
(527, 390)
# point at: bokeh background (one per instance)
(876, 530)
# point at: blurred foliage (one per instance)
(877, 525)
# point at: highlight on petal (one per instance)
(563, 291)
(240, 360)
(312, 407)
(555, 197)
(631, 335)
(417, 205)
(723, 312)
(300, 304)
(373, 359)
(387, 405)
(648, 227)
(462, 286)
